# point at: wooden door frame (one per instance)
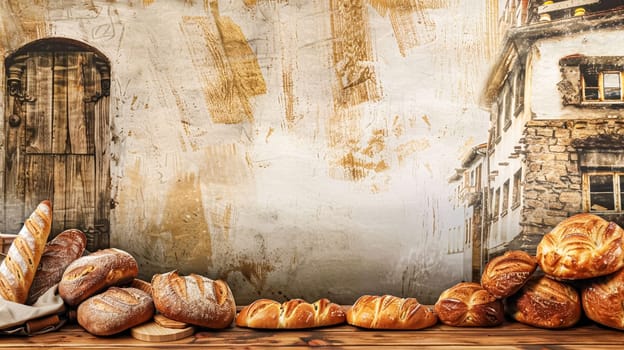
(101, 128)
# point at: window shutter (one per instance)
(570, 85)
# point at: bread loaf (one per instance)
(194, 299)
(582, 246)
(115, 310)
(467, 304)
(292, 314)
(18, 268)
(92, 273)
(603, 300)
(545, 303)
(57, 255)
(506, 274)
(390, 312)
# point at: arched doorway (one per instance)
(56, 137)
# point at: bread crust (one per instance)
(194, 299)
(390, 312)
(603, 300)
(61, 251)
(467, 304)
(115, 310)
(291, 314)
(18, 268)
(580, 247)
(506, 274)
(95, 272)
(545, 303)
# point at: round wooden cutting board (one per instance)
(153, 332)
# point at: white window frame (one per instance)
(616, 190)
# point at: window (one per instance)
(600, 84)
(519, 91)
(478, 178)
(496, 204)
(515, 197)
(508, 109)
(505, 201)
(603, 191)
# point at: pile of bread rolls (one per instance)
(578, 267)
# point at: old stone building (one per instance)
(556, 137)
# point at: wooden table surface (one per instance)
(510, 335)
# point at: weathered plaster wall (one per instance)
(294, 148)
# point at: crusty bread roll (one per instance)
(142, 285)
(467, 304)
(603, 300)
(582, 246)
(115, 310)
(18, 268)
(94, 272)
(390, 312)
(292, 314)
(57, 255)
(545, 303)
(506, 274)
(194, 299)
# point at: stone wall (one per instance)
(552, 185)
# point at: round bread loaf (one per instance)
(61, 251)
(90, 274)
(390, 312)
(603, 300)
(545, 303)
(291, 314)
(194, 299)
(582, 246)
(467, 304)
(115, 310)
(506, 274)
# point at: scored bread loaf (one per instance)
(603, 300)
(506, 274)
(18, 268)
(92, 273)
(467, 304)
(545, 303)
(390, 312)
(291, 314)
(115, 310)
(580, 247)
(57, 255)
(194, 299)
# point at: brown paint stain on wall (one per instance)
(228, 69)
(352, 54)
(221, 220)
(24, 21)
(148, 2)
(405, 150)
(289, 98)
(359, 163)
(184, 219)
(401, 13)
(223, 164)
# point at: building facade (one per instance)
(555, 145)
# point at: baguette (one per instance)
(194, 299)
(95, 272)
(68, 246)
(115, 310)
(292, 314)
(18, 268)
(390, 312)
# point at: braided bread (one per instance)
(467, 304)
(506, 274)
(390, 312)
(582, 246)
(292, 314)
(18, 269)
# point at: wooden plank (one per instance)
(102, 162)
(78, 121)
(59, 102)
(39, 184)
(58, 197)
(89, 83)
(39, 113)
(79, 194)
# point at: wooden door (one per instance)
(56, 123)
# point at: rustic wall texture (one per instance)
(294, 148)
